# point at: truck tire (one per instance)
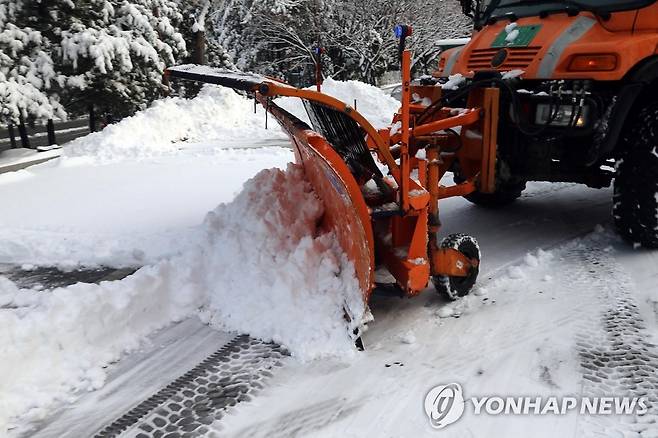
(635, 199)
(507, 191)
(505, 194)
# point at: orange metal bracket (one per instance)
(479, 140)
(404, 139)
(467, 118)
(411, 273)
(457, 190)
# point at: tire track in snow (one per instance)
(192, 404)
(615, 357)
(491, 345)
(303, 422)
(610, 336)
(598, 311)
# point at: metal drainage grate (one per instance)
(192, 403)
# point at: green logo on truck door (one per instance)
(520, 36)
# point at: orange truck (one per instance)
(578, 102)
(543, 91)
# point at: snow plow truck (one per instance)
(563, 91)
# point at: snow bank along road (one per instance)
(562, 308)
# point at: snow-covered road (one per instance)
(562, 308)
(520, 337)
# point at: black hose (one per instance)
(516, 105)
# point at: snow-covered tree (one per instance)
(202, 44)
(69, 54)
(361, 43)
(433, 20)
(231, 20)
(287, 30)
(27, 74)
(117, 50)
(199, 33)
(58, 54)
(277, 37)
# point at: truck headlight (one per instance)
(563, 117)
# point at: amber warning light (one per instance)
(606, 62)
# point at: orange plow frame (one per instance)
(397, 227)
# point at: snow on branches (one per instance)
(26, 69)
(277, 37)
(60, 56)
(68, 54)
(120, 52)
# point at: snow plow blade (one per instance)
(393, 216)
(325, 164)
(346, 213)
(226, 78)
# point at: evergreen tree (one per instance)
(117, 51)
(27, 73)
(60, 54)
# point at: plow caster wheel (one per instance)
(456, 287)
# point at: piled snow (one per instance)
(374, 104)
(261, 267)
(512, 33)
(144, 210)
(217, 113)
(293, 283)
(454, 82)
(63, 339)
(257, 265)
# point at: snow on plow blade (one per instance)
(334, 156)
(346, 213)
